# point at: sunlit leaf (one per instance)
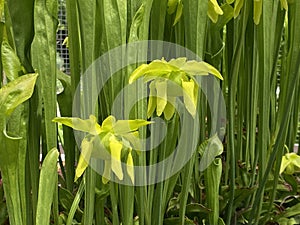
(10, 61)
(16, 92)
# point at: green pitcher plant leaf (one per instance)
(106, 141)
(209, 150)
(48, 179)
(172, 79)
(290, 163)
(16, 92)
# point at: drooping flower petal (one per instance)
(130, 166)
(190, 100)
(106, 173)
(115, 151)
(152, 100)
(161, 99)
(170, 108)
(84, 158)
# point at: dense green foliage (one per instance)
(251, 176)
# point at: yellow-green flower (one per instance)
(172, 79)
(115, 136)
(290, 163)
(214, 10)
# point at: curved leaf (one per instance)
(212, 149)
(16, 92)
(10, 61)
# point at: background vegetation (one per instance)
(254, 44)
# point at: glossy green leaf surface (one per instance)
(16, 92)
(47, 186)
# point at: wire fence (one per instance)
(62, 32)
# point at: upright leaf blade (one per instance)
(47, 185)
